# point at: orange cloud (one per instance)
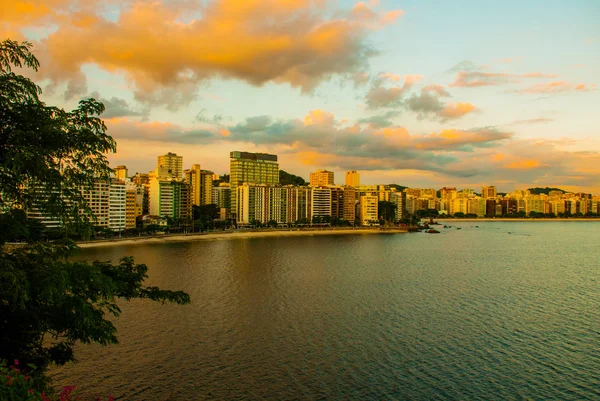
(232, 38)
(523, 164)
(457, 110)
(319, 117)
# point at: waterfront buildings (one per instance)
(251, 168)
(321, 178)
(171, 165)
(121, 173)
(107, 202)
(368, 210)
(352, 178)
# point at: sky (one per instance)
(418, 93)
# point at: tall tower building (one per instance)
(251, 168)
(170, 165)
(321, 178)
(121, 173)
(206, 187)
(352, 178)
(193, 177)
(488, 192)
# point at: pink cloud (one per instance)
(556, 87)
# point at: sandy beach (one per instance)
(234, 235)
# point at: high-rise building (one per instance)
(221, 196)
(399, 199)
(252, 204)
(489, 192)
(352, 178)
(368, 210)
(133, 204)
(106, 200)
(121, 173)
(140, 179)
(321, 202)
(321, 178)
(170, 165)
(169, 198)
(194, 180)
(299, 204)
(206, 187)
(251, 168)
(350, 199)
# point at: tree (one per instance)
(272, 224)
(286, 178)
(48, 302)
(387, 211)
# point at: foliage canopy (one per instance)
(48, 300)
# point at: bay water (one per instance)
(495, 310)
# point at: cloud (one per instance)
(381, 96)
(472, 79)
(522, 164)
(320, 131)
(203, 118)
(116, 107)
(429, 103)
(258, 41)
(457, 110)
(557, 87)
(381, 120)
(533, 121)
(465, 65)
(445, 157)
(360, 78)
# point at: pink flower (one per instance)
(16, 362)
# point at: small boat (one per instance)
(433, 231)
(459, 228)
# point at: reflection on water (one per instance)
(476, 313)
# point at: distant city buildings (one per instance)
(352, 178)
(251, 168)
(167, 195)
(321, 178)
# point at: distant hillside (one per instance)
(286, 178)
(399, 188)
(538, 191)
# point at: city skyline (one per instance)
(503, 100)
(343, 177)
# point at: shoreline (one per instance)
(509, 219)
(234, 235)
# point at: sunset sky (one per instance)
(418, 93)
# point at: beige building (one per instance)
(170, 165)
(320, 202)
(134, 198)
(193, 177)
(121, 173)
(201, 185)
(206, 187)
(350, 198)
(108, 204)
(352, 178)
(321, 178)
(368, 210)
(489, 192)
